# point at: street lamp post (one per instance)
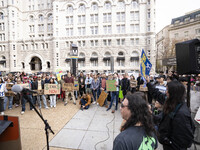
(74, 58)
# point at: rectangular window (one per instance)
(94, 30)
(94, 18)
(120, 16)
(69, 31)
(69, 20)
(13, 47)
(107, 17)
(14, 63)
(107, 29)
(134, 16)
(81, 19)
(120, 28)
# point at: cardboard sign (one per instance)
(39, 92)
(143, 89)
(69, 87)
(102, 98)
(9, 86)
(110, 85)
(76, 86)
(9, 93)
(51, 88)
(197, 117)
(25, 85)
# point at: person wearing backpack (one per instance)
(176, 128)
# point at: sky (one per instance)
(166, 10)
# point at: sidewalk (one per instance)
(90, 129)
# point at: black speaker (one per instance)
(188, 57)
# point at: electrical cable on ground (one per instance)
(95, 146)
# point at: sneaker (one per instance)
(54, 106)
(16, 105)
(94, 102)
(97, 104)
(10, 108)
(81, 108)
(113, 111)
(74, 103)
(47, 107)
(2, 113)
(22, 112)
(51, 106)
(65, 104)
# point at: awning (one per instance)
(106, 58)
(67, 59)
(134, 58)
(120, 58)
(81, 59)
(2, 61)
(93, 58)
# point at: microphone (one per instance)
(19, 88)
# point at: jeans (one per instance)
(24, 100)
(94, 92)
(114, 95)
(52, 100)
(6, 98)
(83, 102)
(43, 99)
(1, 104)
(98, 93)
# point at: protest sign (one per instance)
(51, 89)
(102, 98)
(76, 86)
(110, 85)
(69, 87)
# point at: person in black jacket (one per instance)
(176, 127)
(125, 82)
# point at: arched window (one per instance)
(3, 57)
(23, 66)
(41, 18)
(107, 54)
(107, 5)
(50, 17)
(94, 54)
(81, 8)
(1, 16)
(134, 4)
(48, 64)
(31, 18)
(94, 7)
(82, 55)
(121, 54)
(70, 9)
(121, 4)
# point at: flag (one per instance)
(59, 73)
(145, 66)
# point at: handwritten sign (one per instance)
(25, 85)
(39, 92)
(69, 87)
(143, 88)
(102, 98)
(51, 88)
(110, 85)
(9, 86)
(76, 86)
(197, 117)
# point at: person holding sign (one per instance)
(52, 96)
(9, 97)
(69, 79)
(2, 95)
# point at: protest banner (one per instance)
(110, 85)
(9, 93)
(102, 98)
(69, 87)
(76, 86)
(51, 89)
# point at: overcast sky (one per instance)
(166, 10)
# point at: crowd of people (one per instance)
(156, 112)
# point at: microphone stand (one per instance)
(47, 126)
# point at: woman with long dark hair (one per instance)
(176, 127)
(138, 130)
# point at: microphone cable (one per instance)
(95, 146)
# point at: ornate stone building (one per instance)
(35, 35)
(181, 29)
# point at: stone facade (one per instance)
(181, 29)
(36, 35)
